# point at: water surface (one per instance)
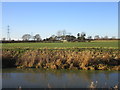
(37, 78)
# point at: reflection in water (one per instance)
(36, 78)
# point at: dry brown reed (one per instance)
(65, 59)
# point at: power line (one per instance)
(8, 32)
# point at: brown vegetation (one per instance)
(63, 59)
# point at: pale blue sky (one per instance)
(46, 18)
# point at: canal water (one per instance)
(37, 78)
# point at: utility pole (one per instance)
(8, 33)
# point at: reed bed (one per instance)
(77, 58)
(94, 86)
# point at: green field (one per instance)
(103, 44)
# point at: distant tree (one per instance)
(113, 37)
(106, 37)
(52, 38)
(78, 35)
(37, 37)
(34, 38)
(97, 37)
(3, 39)
(64, 32)
(101, 37)
(59, 33)
(89, 38)
(83, 36)
(26, 37)
(70, 38)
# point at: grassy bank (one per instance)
(69, 58)
(96, 55)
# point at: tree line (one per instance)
(63, 36)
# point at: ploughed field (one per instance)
(97, 55)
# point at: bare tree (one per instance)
(90, 37)
(70, 38)
(106, 37)
(64, 32)
(83, 34)
(37, 37)
(3, 39)
(53, 38)
(78, 35)
(97, 37)
(26, 37)
(59, 33)
(113, 37)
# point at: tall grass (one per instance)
(87, 59)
